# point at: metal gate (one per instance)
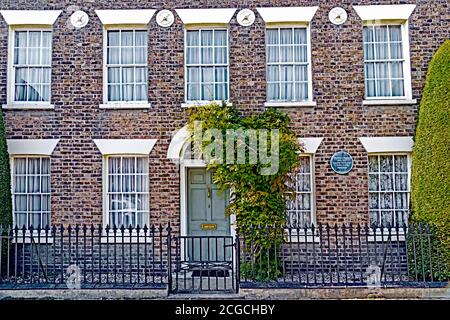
(204, 264)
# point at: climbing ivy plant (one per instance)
(259, 195)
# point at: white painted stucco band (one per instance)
(125, 146)
(387, 144)
(30, 17)
(43, 147)
(134, 17)
(385, 12)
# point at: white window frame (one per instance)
(313, 187)
(377, 235)
(106, 185)
(143, 104)
(309, 101)
(11, 74)
(188, 103)
(407, 88)
(20, 234)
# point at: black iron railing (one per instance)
(346, 255)
(87, 256)
(155, 257)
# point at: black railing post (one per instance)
(238, 260)
(169, 258)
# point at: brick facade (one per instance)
(338, 88)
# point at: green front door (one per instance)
(206, 217)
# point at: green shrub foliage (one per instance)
(258, 200)
(5, 179)
(430, 186)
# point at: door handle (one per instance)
(209, 192)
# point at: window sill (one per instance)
(299, 104)
(299, 237)
(376, 237)
(37, 238)
(126, 105)
(28, 106)
(190, 104)
(387, 102)
(127, 238)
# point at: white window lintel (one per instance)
(287, 14)
(43, 147)
(205, 16)
(385, 12)
(387, 144)
(30, 17)
(125, 146)
(125, 17)
(310, 144)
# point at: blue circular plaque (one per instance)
(341, 162)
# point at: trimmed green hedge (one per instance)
(430, 186)
(5, 179)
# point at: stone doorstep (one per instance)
(250, 294)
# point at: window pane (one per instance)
(141, 92)
(127, 38)
(272, 54)
(207, 75)
(113, 55)
(368, 34)
(286, 54)
(46, 57)
(193, 92)
(369, 69)
(193, 75)
(34, 39)
(34, 56)
(127, 55)
(286, 73)
(398, 88)
(221, 75)
(301, 92)
(396, 51)
(192, 56)
(396, 69)
(272, 36)
(273, 73)
(300, 36)
(286, 36)
(381, 51)
(286, 91)
(140, 75)
(21, 93)
(207, 92)
(220, 38)
(192, 38)
(127, 75)
(273, 91)
(386, 163)
(373, 182)
(395, 33)
(113, 75)
(370, 88)
(220, 92)
(141, 38)
(383, 88)
(381, 33)
(140, 55)
(301, 54)
(20, 39)
(113, 38)
(127, 92)
(369, 52)
(207, 37)
(114, 92)
(220, 55)
(207, 55)
(21, 75)
(20, 56)
(301, 73)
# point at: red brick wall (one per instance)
(338, 88)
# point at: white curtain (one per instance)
(287, 58)
(299, 211)
(128, 191)
(32, 63)
(206, 50)
(31, 191)
(388, 190)
(127, 82)
(385, 77)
